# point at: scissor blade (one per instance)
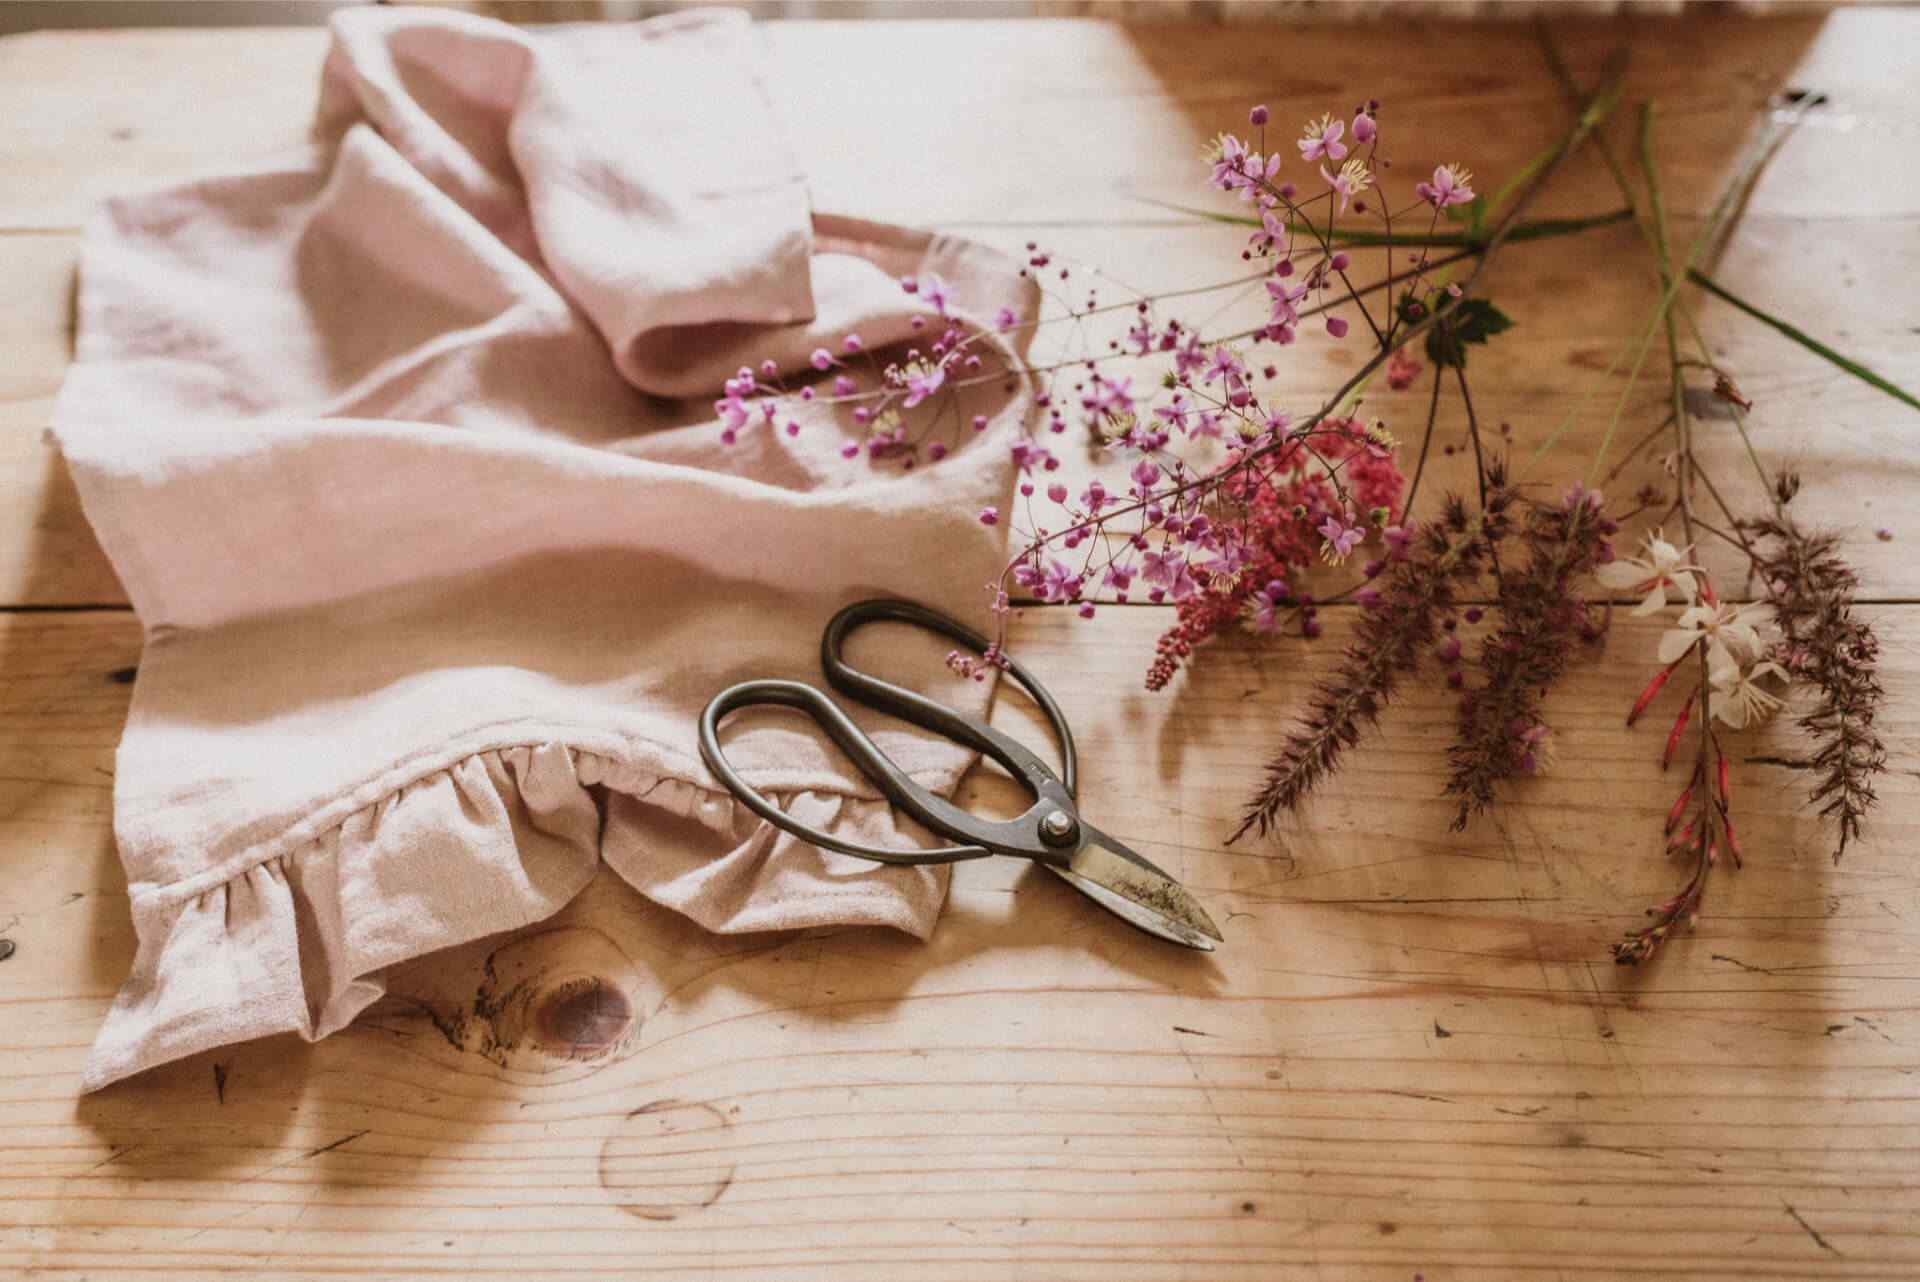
(1131, 887)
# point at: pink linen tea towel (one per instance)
(405, 452)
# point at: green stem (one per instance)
(1805, 340)
(1536, 229)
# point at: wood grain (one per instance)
(1412, 1057)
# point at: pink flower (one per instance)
(1189, 358)
(1272, 230)
(822, 359)
(1365, 128)
(935, 291)
(734, 411)
(1060, 582)
(923, 381)
(1340, 538)
(1322, 138)
(1449, 187)
(1145, 475)
(1232, 154)
(1005, 319)
(1226, 364)
(1141, 337)
(1402, 369)
(1108, 396)
(989, 516)
(1284, 296)
(1352, 179)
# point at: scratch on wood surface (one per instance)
(1758, 970)
(111, 1158)
(1193, 1032)
(342, 1142)
(220, 1083)
(1812, 1232)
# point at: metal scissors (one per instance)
(1051, 831)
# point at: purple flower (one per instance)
(923, 381)
(1005, 319)
(1340, 538)
(1449, 187)
(1232, 154)
(1284, 298)
(1322, 138)
(1258, 116)
(1352, 179)
(1060, 583)
(1027, 456)
(1189, 358)
(989, 516)
(1365, 128)
(1145, 475)
(935, 291)
(1141, 337)
(1108, 396)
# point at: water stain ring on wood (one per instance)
(668, 1159)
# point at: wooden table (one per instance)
(1413, 1056)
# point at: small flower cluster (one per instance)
(1734, 648)
(1831, 650)
(1232, 540)
(1427, 566)
(882, 394)
(1501, 732)
(1290, 515)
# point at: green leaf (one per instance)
(1472, 320)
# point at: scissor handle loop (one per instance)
(1022, 835)
(1018, 760)
(936, 812)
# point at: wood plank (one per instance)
(1411, 1056)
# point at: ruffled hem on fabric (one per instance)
(502, 838)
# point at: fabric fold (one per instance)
(298, 940)
(405, 450)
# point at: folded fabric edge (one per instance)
(299, 941)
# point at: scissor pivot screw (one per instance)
(1057, 828)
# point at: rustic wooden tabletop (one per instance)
(1412, 1058)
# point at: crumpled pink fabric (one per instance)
(405, 452)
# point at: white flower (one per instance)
(1731, 633)
(1741, 701)
(1662, 567)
